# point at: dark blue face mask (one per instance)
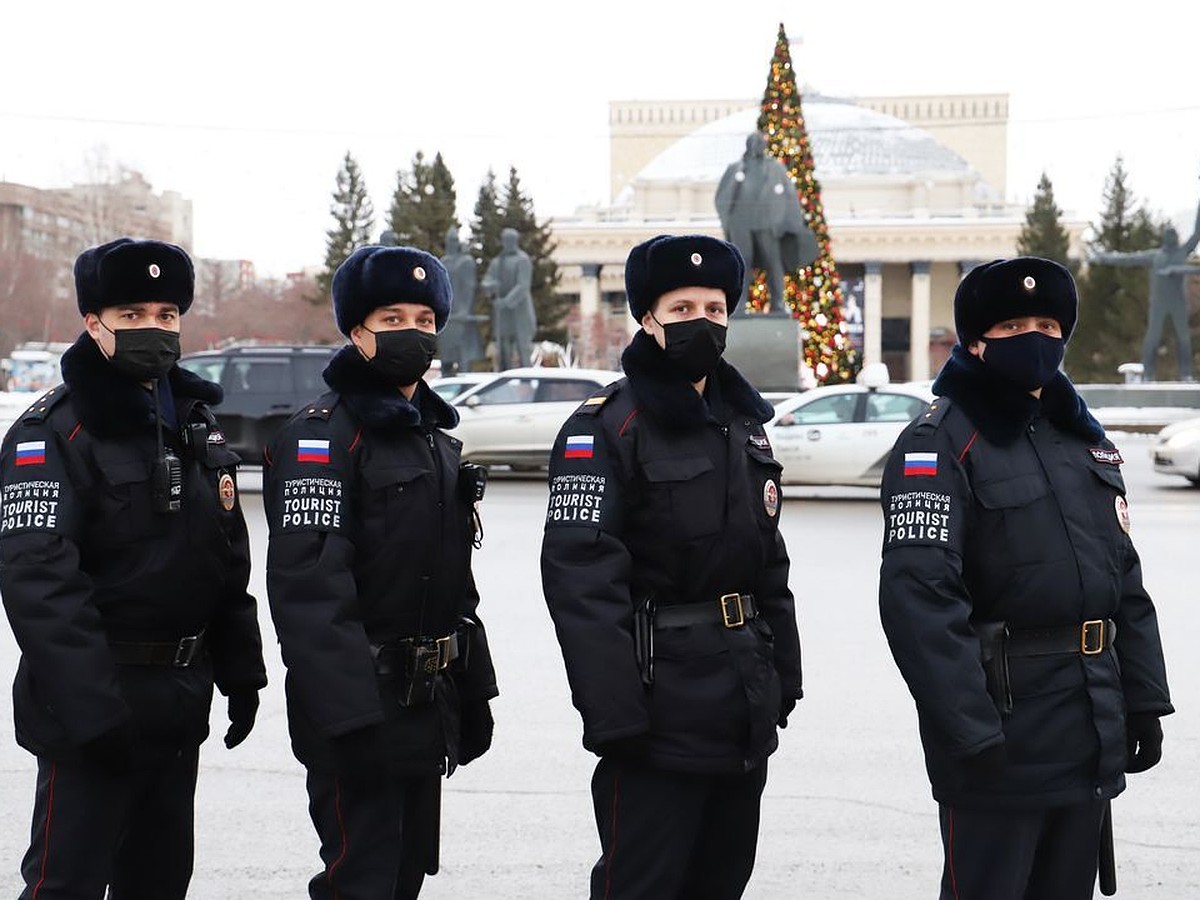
(1027, 360)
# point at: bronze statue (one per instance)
(1168, 297)
(508, 279)
(459, 343)
(760, 213)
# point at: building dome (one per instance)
(847, 141)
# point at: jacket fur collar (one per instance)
(378, 405)
(669, 397)
(110, 404)
(1001, 411)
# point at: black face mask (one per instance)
(1028, 360)
(402, 357)
(144, 354)
(694, 346)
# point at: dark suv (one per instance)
(263, 386)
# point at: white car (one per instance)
(450, 386)
(513, 418)
(842, 434)
(1177, 450)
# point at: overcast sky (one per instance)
(248, 107)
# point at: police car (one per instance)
(842, 434)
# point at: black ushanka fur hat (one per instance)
(668, 261)
(133, 271)
(375, 276)
(1010, 288)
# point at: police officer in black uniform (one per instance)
(372, 520)
(667, 579)
(1012, 598)
(124, 561)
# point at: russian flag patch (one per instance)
(920, 464)
(312, 451)
(579, 446)
(31, 453)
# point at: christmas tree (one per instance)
(812, 293)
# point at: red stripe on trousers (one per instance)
(613, 851)
(950, 828)
(337, 808)
(46, 837)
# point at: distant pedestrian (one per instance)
(372, 517)
(124, 560)
(1012, 598)
(667, 578)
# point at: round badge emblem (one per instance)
(1123, 514)
(697, 259)
(1029, 283)
(154, 270)
(771, 498)
(419, 273)
(226, 491)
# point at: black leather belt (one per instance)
(179, 654)
(428, 655)
(730, 610)
(1089, 638)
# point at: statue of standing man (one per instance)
(1168, 297)
(459, 343)
(508, 279)
(760, 213)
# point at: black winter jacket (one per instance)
(1002, 508)
(85, 559)
(655, 492)
(371, 539)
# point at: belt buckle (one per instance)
(443, 651)
(1091, 637)
(185, 651)
(735, 620)
(427, 657)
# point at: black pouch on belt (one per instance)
(992, 636)
(422, 666)
(643, 639)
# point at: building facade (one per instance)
(913, 190)
(56, 224)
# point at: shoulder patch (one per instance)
(595, 403)
(40, 408)
(931, 418)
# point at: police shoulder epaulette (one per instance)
(931, 418)
(321, 408)
(40, 408)
(595, 403)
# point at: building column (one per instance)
(589, 312)
(918, 329)
(873, 312)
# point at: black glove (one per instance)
(360, 756)
(987, 765)
(477, 726)
(785, 710)
(1143, 741)
(243, 707)
(628, 748)
(113, 749)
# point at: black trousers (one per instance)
(94, 829)
(1045, 854)
(666, 835)
(378, 839)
